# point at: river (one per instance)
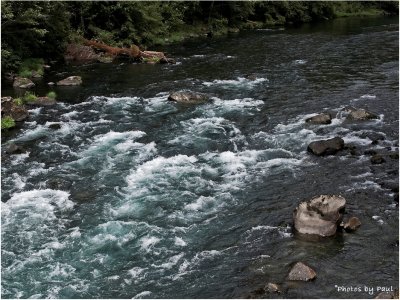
(136, 196)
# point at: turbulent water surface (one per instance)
(136, 196)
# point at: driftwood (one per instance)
(133, 51)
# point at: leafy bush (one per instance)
(29, 97)
(30, 65)
(7, 122)
(18, 101)
(51, 95)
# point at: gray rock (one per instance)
(55, 126)
(360, 114)
(370, 152)
(42, 101)
(377, 159)
(51, 83)
(324, 118)
(326, 147)
(23, 83)
(351, 224)
(188, 97)
(319, 216)
(272, 288)
(17, 112)
(302, 272)
(14, 149)
(388, 295)
(71, 80)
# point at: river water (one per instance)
(136, 196)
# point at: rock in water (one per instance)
(71, 80)
(351, 224)
(187, 97)
(14, 149)
(17, 112)
(326, 147)
(272, 288)
(319, 216)
(44, 101)
(302, 272)
(324, 118)
(377, 159)
(23, 83)
(360, 114)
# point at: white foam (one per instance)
(180, 242)
(378, 219)
(148, 242)
(142, 294)
(200, 203)
(135, 272)
(35, 111)
(239, 82)
(300, 61)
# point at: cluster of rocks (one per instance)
(26, 83)
(322, 216)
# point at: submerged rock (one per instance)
(377, 159)
(323, 118)
(23, 83)
(14, 149)
(360, 114)
(71, 80)
(326, 147)
(351, 224)
(302, 272)
(319, 216)
(55, 126)
(188, 97)
(272, 288)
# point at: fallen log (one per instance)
(133, 51)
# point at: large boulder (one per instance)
(326, 147)
(187, 97)
(301, 272)
(71, 80)
(360, 114)
(23, 83)
(10, 108)
(324, 118)
(319, 216)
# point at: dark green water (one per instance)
(136, 196)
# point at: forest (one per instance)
(42, 29)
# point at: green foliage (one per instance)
(42, 28)
(29, 97)
(7, 122)
(51, 95)
(29, 65)
(18, 101)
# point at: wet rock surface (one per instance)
(326, 147)
(301, 272)
(324, 118)
(360, 114)
(319, 216)
(351, 224)
(23, 83)
(70, 81)
(188, 97)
